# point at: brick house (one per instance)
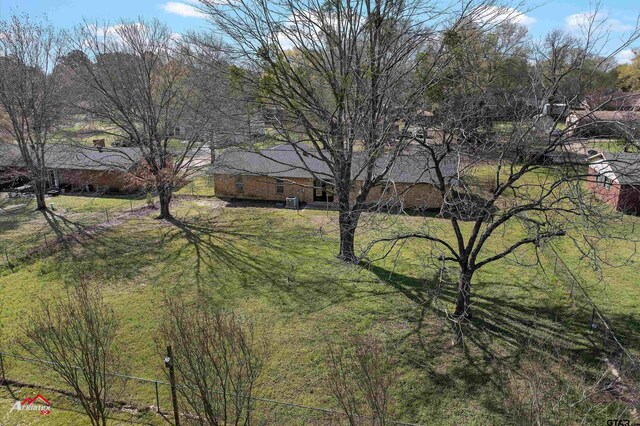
(615, 179)
(77, 168)
(605, 124)
(612, 101)
(280, 172)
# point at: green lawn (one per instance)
(278, 268)
(24, 229)
(611, 145)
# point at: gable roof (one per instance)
(613, 101)
(624, 165)
(285, 162)
(63, 156)
(606, 116)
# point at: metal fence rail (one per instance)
(267, 409)
(47, 240)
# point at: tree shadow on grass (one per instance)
(505, 319)
(213, 246)
(65, 229)
(501, 331)
(264, 261)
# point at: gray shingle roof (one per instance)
(62, 156)
(9, 155)
(284, 162)
(625, 165)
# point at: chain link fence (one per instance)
(58, 225)
(154, 395)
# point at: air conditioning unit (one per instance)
(292, 203)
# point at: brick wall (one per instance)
(414, 196)
(629, 199)
(98, 180)
(609, 196)
(264, 188)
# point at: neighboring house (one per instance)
(615, 179)
(277, 173)
(80, 168)
(555, 111)
(617, 124)
(615, 101)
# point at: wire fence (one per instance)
(61, 223)
(155, 396)
(68, 220)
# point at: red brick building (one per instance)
(605, 124)
(615, 179)
(79, 168)
(278, 173)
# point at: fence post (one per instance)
(6, 255)
(106, 212)
(131, 205)
(172, 378)
(4, 379)
(157, 398)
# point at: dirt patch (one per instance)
(214, 203)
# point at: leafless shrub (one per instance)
(360, 378)
(76, 337)
(218, 360)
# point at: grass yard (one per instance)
(24, 230)
(277, 267)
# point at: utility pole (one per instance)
(168, 362)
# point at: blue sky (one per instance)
(180, 15)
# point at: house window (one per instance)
(239, 184)
(600, 178)
(279, 186)
(607, 183)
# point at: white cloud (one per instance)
(625, 57)
(497, 15)
(285, 42)
(584, 20)
(182, 9)
(618, 26)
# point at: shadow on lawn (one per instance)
(266, 261)
(213, 245)
(508, 322)
(65, 229)
(504, 335)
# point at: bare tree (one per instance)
(536, 189)
(31, 93)
(76, 337)
(338, 80)
(218, 360)
(230, 113)
(360, 379)
(137, 81)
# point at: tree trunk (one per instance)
(463, 298)
(39, 189)
(212, 147)
(164, 194)
(348, 221)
